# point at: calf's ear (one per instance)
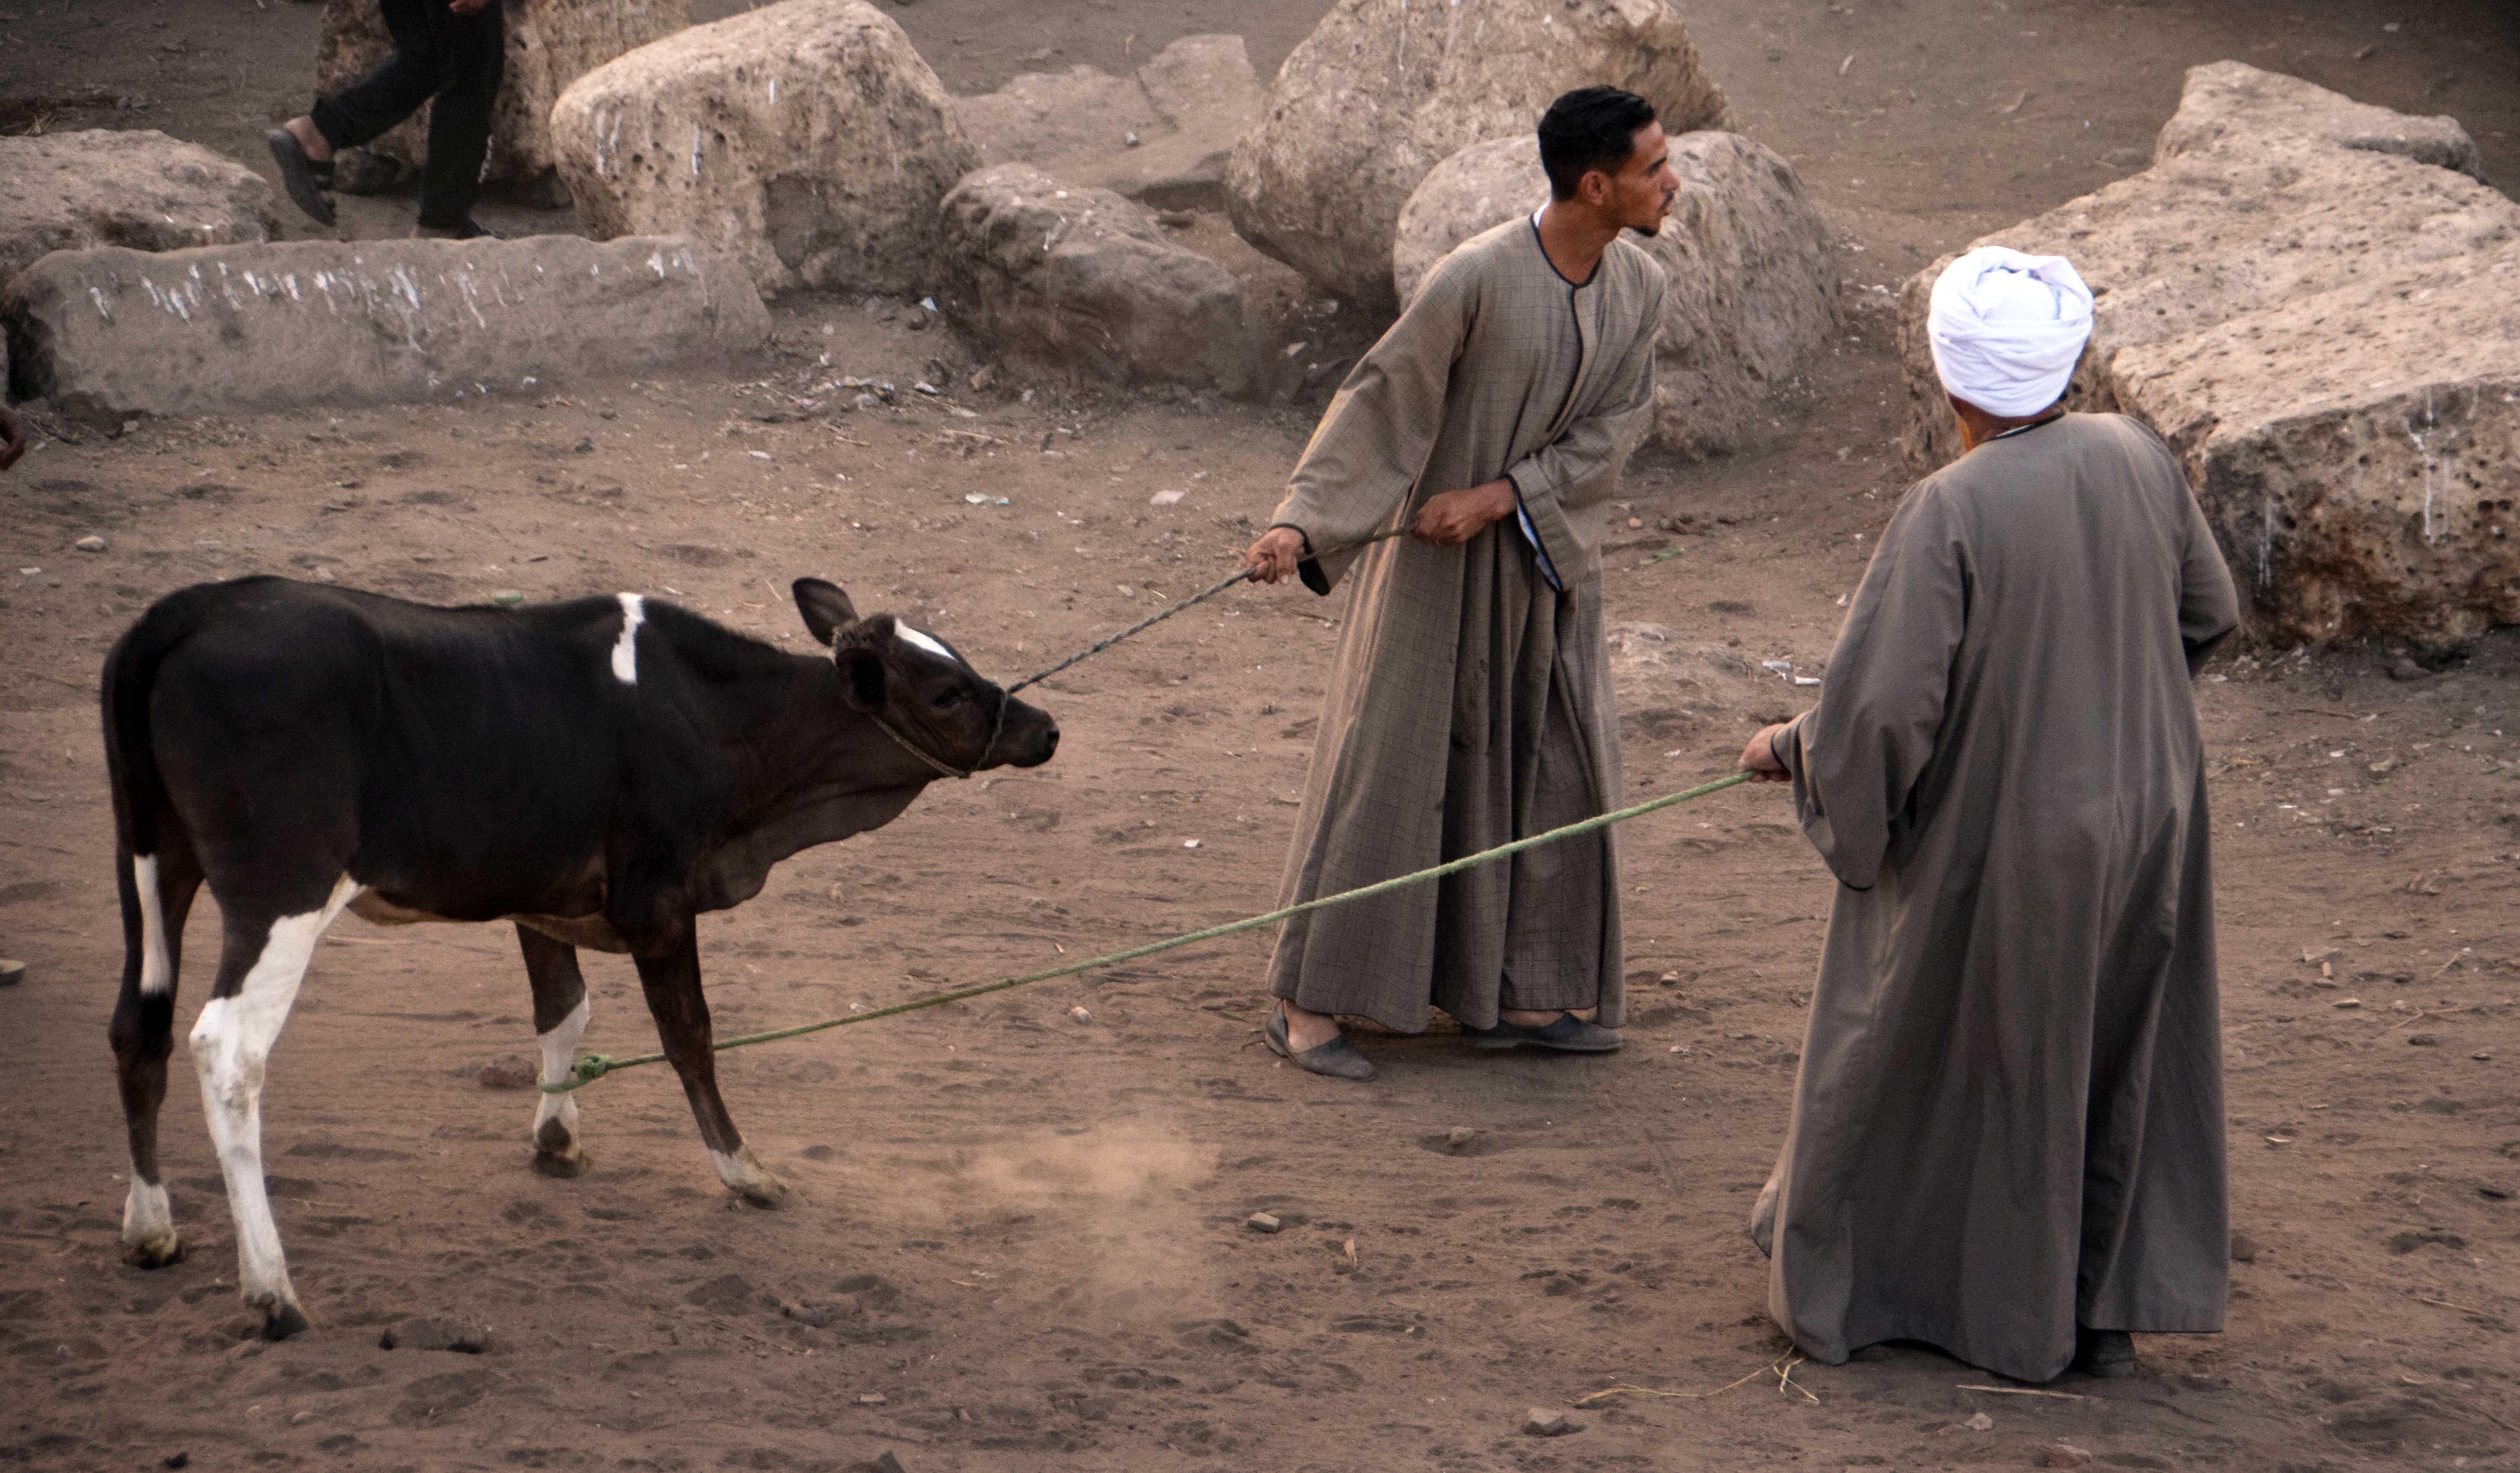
(860, 677)
(825, 608)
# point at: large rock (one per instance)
(2357, 451)
(806, 140)
(1083, 281)
(2323, 328)
(1384, 90)
(551, 43)
(1159, 135)
(110, 333)
(137, 188)
(2233, 101)
(1751, 295)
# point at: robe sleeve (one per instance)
(1371, 444)
(1855, 756)
(1579, 468)
(2209, 607)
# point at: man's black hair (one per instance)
(1589, 128)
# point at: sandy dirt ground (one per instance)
(1017, 1238)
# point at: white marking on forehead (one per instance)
(924, 641)
(625, 651)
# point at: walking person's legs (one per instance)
(471, 59)
(304, 145)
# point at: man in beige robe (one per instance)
(1471, 704)
(2007, 1131)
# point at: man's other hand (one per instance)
(1274, 557)
(1457, 517)
(1758, 758)
(13, 439)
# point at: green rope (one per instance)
(591, 1067)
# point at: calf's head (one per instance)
(921, 690)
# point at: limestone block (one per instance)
(551, 43)
(1184, 109)
(137, 188)
(1750, 298)
(2235, 101)
(1083, 281)
(111, 333)
(805, 139)
(1384, 90)
(2358, 451)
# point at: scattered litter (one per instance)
(869, 1399)
(1190, 843)
(1166, 498)
(1806, 680)
(90, 544)
(978, 499)
(508, 598)
(928, 388)
(1078, 1014)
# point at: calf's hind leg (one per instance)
(260, 968)
(559, 1021)
(157, 891)
(672, 981)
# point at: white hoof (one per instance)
(748, 1179)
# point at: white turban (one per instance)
(2006, 329)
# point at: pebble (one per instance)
(514, 1072)
(888, 1463)
(811, 1315)
(1460, 1136)
(1539, 1421)
(90, 544)
(2244, 1248)
(1980, 1423)
(1263, 1222)
(2063, 1456)
(176, 1460)
(869, 1399)
(1078, 1014)
(12, 971)
(2424, 1040)
(983, 376)
(424, 1332)
(507, 597)
(585, 445)
(300, 1419)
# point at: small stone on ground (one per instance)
(1543, 1422)
(1262, 1222)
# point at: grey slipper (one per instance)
(1336, 1059)
(1568, 1034)
(2104, 1353)
(302, 176)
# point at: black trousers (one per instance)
(456, 61)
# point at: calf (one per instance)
(597, 772)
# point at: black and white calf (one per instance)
(597, 772)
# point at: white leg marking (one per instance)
(231, 1043)
(560, 1056)
(156, 974)
(746, 1175)
(625, 651)
(147, 1222)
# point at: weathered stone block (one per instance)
(1083, 281)
(111, 333)
(138, 187)
(2235, 101)
(1751, 295)
(2324, 325)
(551, 43)
(805, 139)
(1384, 90)
(1184, 109)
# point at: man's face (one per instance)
(1641, 193)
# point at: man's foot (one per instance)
(470, 230)
(2105, 1353)
(1568, 1034)
(306, 177)
(1336, 1059)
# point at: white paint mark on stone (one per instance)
(103, 311)
(625, 651)
(157, 973)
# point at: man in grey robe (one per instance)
(1471, 704)
(2007, 1136)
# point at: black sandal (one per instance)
(308, 181)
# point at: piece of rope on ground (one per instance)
(591, 1067)
(1782, 1370)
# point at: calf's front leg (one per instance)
(560, 1011)
(670, 975)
